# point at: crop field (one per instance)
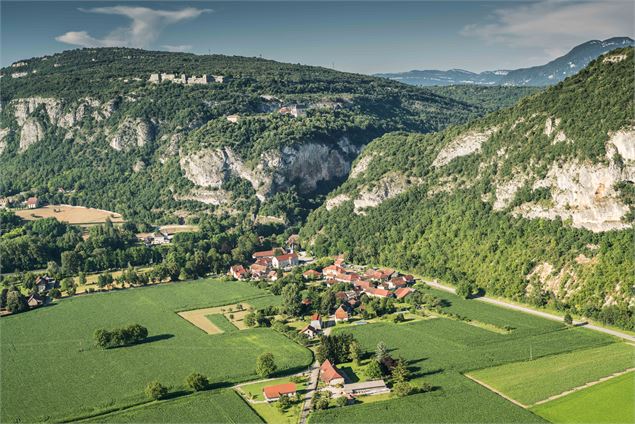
(77, 215)
(532, 381)
(610, 402)
(223, 406)
(52, 348)
(222, 323)
(439, 351)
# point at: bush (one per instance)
(568, 319)
(197, 382)
(156, 390)
(120, 336)
(341, 401)
(403, 389)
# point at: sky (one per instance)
(359, 36)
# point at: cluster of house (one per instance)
(184, 79)
(157, 238)
(384, 282)
(30, 203)
(266, 264)
(43, 284)
(334, 381)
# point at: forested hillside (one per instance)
(87, 127)
(534, 203)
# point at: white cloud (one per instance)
(145, 27)
(178, 48)
(555, 26)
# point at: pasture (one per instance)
(53, 349)
(223, 406)
(439, 351)
(532, 381)
(76, 215)
(609, 402)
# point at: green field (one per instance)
(222, 322)
(52, 349)
(610, 402)
(532, 381)
(269, 411)
(439, 351)
(213, 407)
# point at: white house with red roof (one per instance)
(285, 261)
(316, 321)
(330, 374)
(402, 292)
(238, 272)
(372, 292)
(273, 393)
(341, 314)
(310, 331)
(32, 202)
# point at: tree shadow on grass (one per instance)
(150, 339)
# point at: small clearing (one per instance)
(199, 317)
(75, 215)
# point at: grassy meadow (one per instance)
(532, 381)
(52, 348)
(439, 351)
(224, 406)
(609, 402)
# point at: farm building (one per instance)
(316, 321)
(309, 331)
(44, 283)
(238, 272)
(265, 254)
(311, 275)
(341, 314)
(330, 374)
(373, 387)
(402, 292)
(378, 292)
(273, 393)
(285, 261)
(32, 202)
(36, 300)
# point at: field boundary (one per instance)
(490, 388)
(584, 386)
(198, 317)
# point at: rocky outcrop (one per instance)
(4, 132)
(624, 142)
(31, 132)
(214, 197)
(389, 186)
(463, 145)
(132, 133)
(584, 193)
(305, 166)
(336, 201)
(361, 165)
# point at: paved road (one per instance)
(531, 311)
(310, 389)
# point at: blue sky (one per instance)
(365, 37)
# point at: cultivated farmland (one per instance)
(607, 402)
(74, 378)
(532, 381)
(223, 406)
(440, 351)
(77, 215)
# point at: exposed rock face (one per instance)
(336, 201)
(210, 197)
(4, 132)
(624, 142)
(463, 145)
(361, 166)
(304, 165)
(25, 107)
(389, 186)
(31, 132)
(584, 193)
(132, 133)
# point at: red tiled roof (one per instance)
(272, 392)
(311, 273)
(238, 269)
(328, 372)
(315, 317)
(398, 281)
(333, 269)
(286, 257)
(363, 284)
(341, 313)
(403, 292)
(263, 254)
(379, 292)
(31, 201)
(308, 327)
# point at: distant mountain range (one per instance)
(551, 73)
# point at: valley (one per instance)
(230, 239)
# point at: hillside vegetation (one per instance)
(534, 203)
(87, 127)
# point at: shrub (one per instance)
(568, 319)
(120, 336)
(197, 382)
(341, 401)
(156, 390)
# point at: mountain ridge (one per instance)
(550, 73)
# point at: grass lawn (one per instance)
(531, 381)
(610, 402)
(53, 349)
(222, 322)
(439, 351)
(223, 406)
(254, 391)
(269, 411)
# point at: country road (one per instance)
(531, 311)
